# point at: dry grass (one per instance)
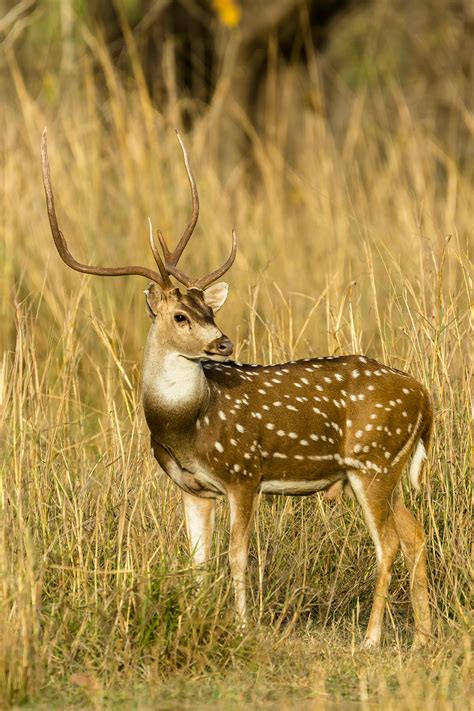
(344, 250)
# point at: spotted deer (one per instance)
(223, 428)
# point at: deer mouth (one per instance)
(219, 357)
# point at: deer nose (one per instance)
(221, 346)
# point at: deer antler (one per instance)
(171, 258)
(166, 267)
(162, 279)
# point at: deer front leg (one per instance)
(241, 509)
(199, 515)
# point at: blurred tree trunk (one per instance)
(208, 62)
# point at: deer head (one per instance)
(184, 321)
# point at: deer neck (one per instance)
(175, 389)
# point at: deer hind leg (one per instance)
(199, 515)
(241, 509)
(373, 495)
(412, 540)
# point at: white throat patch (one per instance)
(177, 381)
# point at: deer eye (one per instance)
(181, 318)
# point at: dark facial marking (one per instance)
(193, 305)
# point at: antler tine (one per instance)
(156, 254)
(204, 281)
(61, 244)
(168, 267)
(172, 258)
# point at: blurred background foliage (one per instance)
(214, 57)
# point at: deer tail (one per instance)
(423, 443)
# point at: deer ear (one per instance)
(216, 295)
(153, 298)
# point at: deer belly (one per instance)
(288, 487)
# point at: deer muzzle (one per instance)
(222, 346)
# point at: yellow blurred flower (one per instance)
(228, 11)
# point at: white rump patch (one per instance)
(416, 464)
